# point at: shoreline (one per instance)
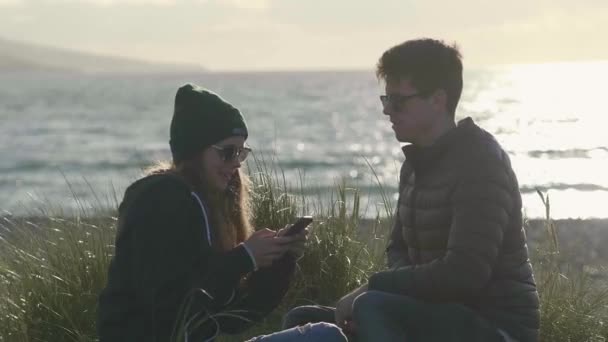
(581, 241)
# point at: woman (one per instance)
(187, 264)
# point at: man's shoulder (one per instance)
(478, 155)
(480, 147)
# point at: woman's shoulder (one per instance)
(165, 187)
(161, 181)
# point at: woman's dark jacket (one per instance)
(163, 259)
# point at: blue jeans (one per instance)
(381, 316)
(322, 332)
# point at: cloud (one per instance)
(239, 4)
(33, 4)
(260, 34)
(248, 4)
(121, 2)
(6, 3)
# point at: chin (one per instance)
(403, 139)
(220, 186)
(400, 136)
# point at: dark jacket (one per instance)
(458, 235)
(163, 256)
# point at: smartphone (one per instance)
(299, 225)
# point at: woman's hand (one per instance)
(298, 246)
(266, 247)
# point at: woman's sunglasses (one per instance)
(231, 153)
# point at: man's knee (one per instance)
(368, 302)
(378, 304)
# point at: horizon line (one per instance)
(338, 69)
(293, 69)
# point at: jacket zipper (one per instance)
(413, 225)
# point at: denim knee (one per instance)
(325, 332)
(311, 332)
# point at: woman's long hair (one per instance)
(230, 210)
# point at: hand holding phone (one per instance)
(298, 226)
(296, 248)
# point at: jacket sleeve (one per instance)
(262, 293)
(169, 256)
(397, 250)
(481, 208)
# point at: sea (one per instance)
(73, 141)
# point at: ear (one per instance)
(439, 99)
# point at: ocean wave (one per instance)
(392, 190)
(565, 154)
(563, 186)
(37, 165)
(306, 164)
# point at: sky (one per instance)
(311, 34)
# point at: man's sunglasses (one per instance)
(230, 153)
(396, 102)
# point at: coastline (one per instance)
(581, 241)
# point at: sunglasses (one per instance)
(396, 102)
(231, 153)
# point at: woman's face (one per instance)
(221, 161)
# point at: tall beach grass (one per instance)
(52, 266)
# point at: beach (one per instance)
(582, 242)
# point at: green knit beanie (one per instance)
(201, 118)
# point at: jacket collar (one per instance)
(421, 157)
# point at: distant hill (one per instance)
(25, 56)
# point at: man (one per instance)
(458, 267)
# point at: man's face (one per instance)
(412, 114)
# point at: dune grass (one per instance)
(52, 268)
(574, 307)
(51, 271)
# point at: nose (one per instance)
(386, 110)
(236, 163)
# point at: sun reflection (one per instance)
(568, 204)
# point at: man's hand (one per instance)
(344, 309)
